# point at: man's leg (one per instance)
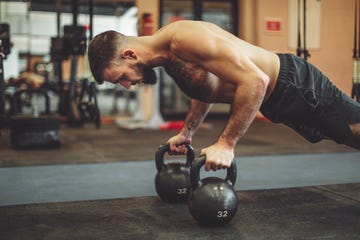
(355, 140)
(313, 135)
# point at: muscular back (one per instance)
(198, 51)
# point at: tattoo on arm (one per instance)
(190, 79)
(192, 125)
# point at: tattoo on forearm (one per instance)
(192, 125)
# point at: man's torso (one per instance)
(193, 78)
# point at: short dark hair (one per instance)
(103, 49)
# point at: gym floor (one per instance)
(100, 185)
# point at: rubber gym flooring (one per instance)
(99, 185)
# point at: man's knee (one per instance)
(354, 141)
(337, 129)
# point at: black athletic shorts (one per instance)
(305, 100)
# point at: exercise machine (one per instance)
(5, 49)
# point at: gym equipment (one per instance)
(57, 51)
(5, 39)
(74, 39)
(128, 97)
(75, 43)
(302, 51)
(5, 49)
(72, 45)
(32, 131)
(148, 116)
(2, 89)
(172, 181)
(89, 110)
(212, 200)
(355, 91)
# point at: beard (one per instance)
(148, 74)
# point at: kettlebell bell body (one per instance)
(212, 201)
(172, 181)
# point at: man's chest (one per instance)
(192, 79)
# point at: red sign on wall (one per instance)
(273, 25)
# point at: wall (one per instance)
(334, 57)
(149, 6)
(31, 32)
(247, 20)
(148, 93)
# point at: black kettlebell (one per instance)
(172, 181)
(212, 200)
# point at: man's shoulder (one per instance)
(185, 24)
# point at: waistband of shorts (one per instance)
(285, 67)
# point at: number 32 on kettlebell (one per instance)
(222, 214)
(182, 191)
(213, 200)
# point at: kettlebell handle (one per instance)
(159, 155)
(199, 162)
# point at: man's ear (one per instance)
(128, 54)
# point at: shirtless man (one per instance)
(283, 87)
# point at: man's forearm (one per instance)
(196, 115)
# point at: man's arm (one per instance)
(246, 103)
(196, 115)
(232, 61)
